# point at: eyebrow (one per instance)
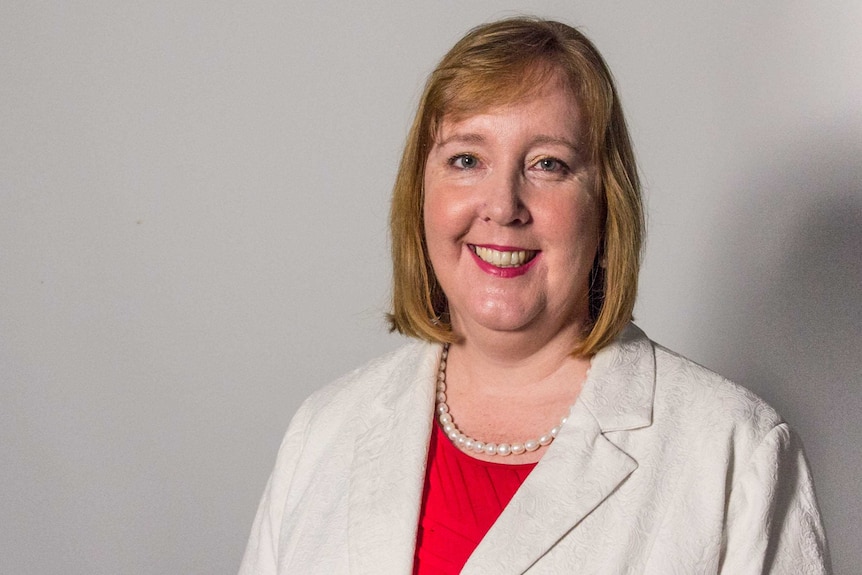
(468, 138)
(472, 138)
(542, 139)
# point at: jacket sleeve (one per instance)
(261, 553)
(773, 525)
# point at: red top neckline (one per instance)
(463, 498)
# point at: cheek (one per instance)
(577, 233)
(574, 224)
(444, 216)
(432, 217)
(438, 223)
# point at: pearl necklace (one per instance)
(467, 443)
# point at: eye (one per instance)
(464, 161)
(552, 165)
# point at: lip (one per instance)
(507, 272)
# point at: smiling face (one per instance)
(512, 217)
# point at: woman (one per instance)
(532, 428)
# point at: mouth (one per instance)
(503, 258)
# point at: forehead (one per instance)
(549, 111)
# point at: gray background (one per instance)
(193, 201)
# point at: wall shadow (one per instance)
(789, 324)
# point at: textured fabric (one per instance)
(663, 467)
(463, 497)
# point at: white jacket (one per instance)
(663, 467)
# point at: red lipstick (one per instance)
(502, 272)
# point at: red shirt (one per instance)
(463, 497)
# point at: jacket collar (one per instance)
(619, 390)
(580, 469)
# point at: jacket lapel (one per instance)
(388, 473)
(582, 467)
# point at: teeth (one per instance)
(504, 259)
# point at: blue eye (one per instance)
(551, 165)
(464, 161)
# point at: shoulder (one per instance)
(690, 418)
(713, 423)
(641, 384)
(690, 391)
(369, 387)
(638, 383)
(375, 380)
(323, 431)
(713, 459)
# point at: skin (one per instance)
(514, 177)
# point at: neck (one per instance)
(503, 398)
(510, 368)
(522, 351)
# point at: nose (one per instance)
(503, 200)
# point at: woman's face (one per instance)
(512, 220)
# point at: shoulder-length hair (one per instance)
(501, 63)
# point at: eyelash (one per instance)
(561, 166)
(453, 161)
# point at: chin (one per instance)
(503, 318)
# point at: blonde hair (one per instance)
(500, 63)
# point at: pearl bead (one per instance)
(468, 443)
